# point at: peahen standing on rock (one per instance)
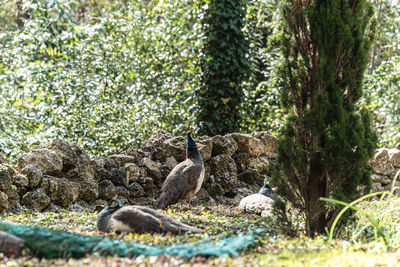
(185, 180)
(138, 219)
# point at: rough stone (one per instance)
(122, 191)
(215, 190)
(223, 145)
(257, 204)
(380, 179)
(156, 147)
(396, 187)
(103, 174)
(48, 161)
(242, 161)
(133, 151)
(36, 199)
(394, 156)
(143, 172)
(67, 161)
(250, 176)
(76, 163)
(71, 155)
(6, 177)
(88, 189)
(132, 172)
(201, 197)
(119, 177)
(106, 190)
(177, 147)
(122, 160)
(270, 142)
(109, 164)
(223, 168)
(13, 198)
(98, 163)
(207, 171)
(381, 163)
(135, 190)
(249, 144)
(21, 182)
(3, 201)
(205, 146)
(147, 183)
(60, 190)
(242, 192)
(33, 174)
(261, 164)
(153, 168)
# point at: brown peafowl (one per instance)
(185, 180)
(138, 219)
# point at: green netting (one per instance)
(49, 243)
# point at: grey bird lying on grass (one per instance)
(185, 180)
(138, 219)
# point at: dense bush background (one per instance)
(107, 74)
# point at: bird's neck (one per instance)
(103, 220)
(193, 153)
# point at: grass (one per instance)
(276, 249)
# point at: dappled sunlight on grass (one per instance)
(274, 249)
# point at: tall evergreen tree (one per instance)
(225, 67)
(327, 140)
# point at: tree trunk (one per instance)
(316, 221)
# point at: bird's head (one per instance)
(190, 141)
(104, 217)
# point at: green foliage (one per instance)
(382, 99)
(225, 67)
(107, 74)
(381, 88)
(104, 85)
(326, 142)
(261, 108)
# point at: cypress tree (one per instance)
(224, 66)
(327, 140)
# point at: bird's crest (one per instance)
(191, 150)
(190, 141)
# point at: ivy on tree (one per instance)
(327, 140)
(224, 66)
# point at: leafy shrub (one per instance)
(104, 85)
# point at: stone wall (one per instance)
(385, 166)
(56, 174)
